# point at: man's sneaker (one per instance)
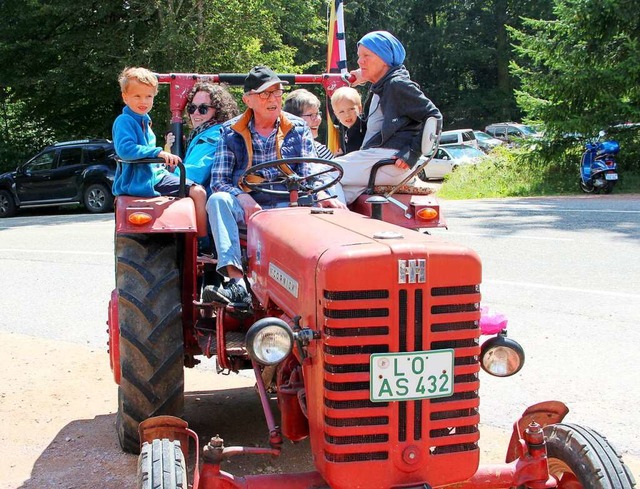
(231, 293)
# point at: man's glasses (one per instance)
(315, 115)
(266, 95)
(202, 108)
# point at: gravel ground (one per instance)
(58, 401)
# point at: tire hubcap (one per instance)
(96, 199)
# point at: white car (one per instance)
(486, 142)
(448, 158)
(458, 136)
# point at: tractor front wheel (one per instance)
(151, 336)
(580, 458)
(161, 465)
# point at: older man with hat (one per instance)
(395, 111)
(262, 133)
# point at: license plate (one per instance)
(410, 376)
(610, 176)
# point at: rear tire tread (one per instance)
(161, 465)
(151, 336)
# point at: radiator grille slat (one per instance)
(352, 422)
(419, 321)
(377, 312)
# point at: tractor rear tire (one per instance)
(161, 465)
(151, 335)
(581, 457)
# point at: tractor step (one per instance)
(208, 342)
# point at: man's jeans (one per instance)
(225, 215)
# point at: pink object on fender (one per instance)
(492, 322)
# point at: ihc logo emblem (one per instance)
(412, 271)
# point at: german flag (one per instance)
(336, 63)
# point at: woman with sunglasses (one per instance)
(208, 106)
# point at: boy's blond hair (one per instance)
(142, 75)
(347, 93)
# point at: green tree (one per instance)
(457, 50)
(579, 72)
(59, 60)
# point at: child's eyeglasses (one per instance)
(315, 115)
(202, 108)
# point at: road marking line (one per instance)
(506, 236)
(562, 288)
(59, 252)
(544, 210)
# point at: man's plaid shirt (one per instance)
(264, 149)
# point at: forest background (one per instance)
(570, 66)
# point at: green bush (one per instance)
(541, 169)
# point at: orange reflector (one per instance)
(427, 214)
(139, 218)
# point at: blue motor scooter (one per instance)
(598, 168)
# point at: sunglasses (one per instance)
(202, 108)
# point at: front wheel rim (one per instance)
(96, 199)
(563, 474)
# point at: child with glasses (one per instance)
(306, 105)
(134, 139)
(347, 106)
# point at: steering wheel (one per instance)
(291, 180)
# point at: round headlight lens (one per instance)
(269, 341)
(501, 356)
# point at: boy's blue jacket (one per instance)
(133, 139)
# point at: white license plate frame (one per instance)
(411, 376)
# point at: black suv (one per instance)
(73, 172)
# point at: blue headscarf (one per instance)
(385, 46)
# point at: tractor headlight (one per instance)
(269, 341)
(501, 356)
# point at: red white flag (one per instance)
(336, 62)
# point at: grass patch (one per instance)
(520, 173)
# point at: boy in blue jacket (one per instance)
(134, 139)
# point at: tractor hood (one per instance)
(292, 250)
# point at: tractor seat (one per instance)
(407, 188)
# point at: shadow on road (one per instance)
(565, 213)
(86, 453)
(52, 216)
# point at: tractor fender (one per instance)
(543, 413)
(137, 215)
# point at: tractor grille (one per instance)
(359, 323)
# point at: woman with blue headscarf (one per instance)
(395, 110)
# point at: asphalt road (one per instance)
(565, 271)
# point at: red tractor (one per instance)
(367, 331)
